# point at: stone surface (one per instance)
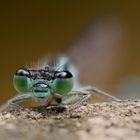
(99, 121)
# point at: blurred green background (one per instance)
(29, 30)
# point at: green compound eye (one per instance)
(22, 81)
(63, 82)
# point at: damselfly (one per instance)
(52, 84)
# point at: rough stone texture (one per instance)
(99, 121)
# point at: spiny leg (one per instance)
(80, 102)
(93, 89)
(85, 94)
(77, 102)
(13, 102)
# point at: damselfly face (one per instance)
(42, 82)
(40, 88)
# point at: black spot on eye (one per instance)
(63, 74)
(23, 72)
